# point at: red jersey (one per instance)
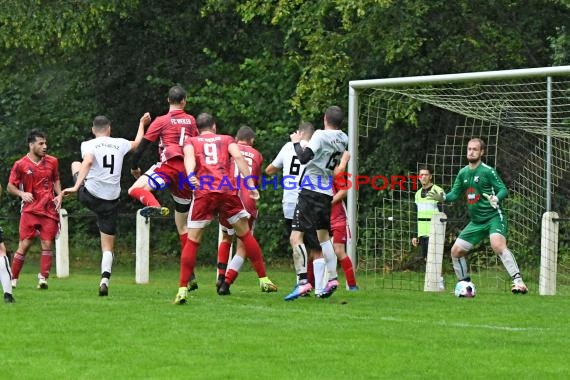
(254, 160)
(172, 130)
(338, 212)
(38, 179)
(213, 163)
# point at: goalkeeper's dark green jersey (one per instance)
(474, 183)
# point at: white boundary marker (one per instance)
(62, 246)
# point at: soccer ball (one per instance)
(465, 289)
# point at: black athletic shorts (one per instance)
(313, 212)
(310, 238)
(107, 211)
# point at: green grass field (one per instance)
(68, 332)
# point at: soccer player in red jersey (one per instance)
(207, 159)
(339, 227)
(245, 138)
(35, 179)
(171, 130)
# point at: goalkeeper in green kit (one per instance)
(483, 190)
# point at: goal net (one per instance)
(524, 117)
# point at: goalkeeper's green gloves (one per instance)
(493, 200)
(436, 196)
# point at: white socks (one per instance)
(510, 264)
(106, 266)
(460, 267)
(235, 263)
(330, 258)
(319, 272)
(5, 274)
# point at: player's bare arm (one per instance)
(341, 167)
(271, 170)
(26, 197)
(143, 123)
(190, 164)
(339, 196)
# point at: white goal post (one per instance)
(549, 120)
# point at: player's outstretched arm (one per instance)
(438, 196)
(143, 122)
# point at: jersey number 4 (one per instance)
(111, 164)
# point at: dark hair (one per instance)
(34, 134)
(334, 116)
(307, 127)
(101, 122)
(482, 144)
(176, 95)
(245, 133)
(205, 121)
(425, 167)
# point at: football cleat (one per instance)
(266, 285)
(42, 283)
(182, 296)
(224, 289)
(220, 281)
(192, 285)
(299, 291)
(103, 290)
(149, 211)
(354, 288)
(332, 286)
(9, 298)
(519, 288)
(14, 283)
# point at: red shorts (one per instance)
(171, 174)
(340, 233)
(32, 225)
(206, 206)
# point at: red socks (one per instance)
(348, 269)
(183, 240)
(253, 252)
(231, 276)
(17, 264)
(188, 261)
(223, 257)
(145, 197)
(45, 263)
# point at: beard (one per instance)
(473, 160)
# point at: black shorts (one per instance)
(310, 238)
(313, 212)
(107, 211)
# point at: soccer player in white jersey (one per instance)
(98, 184)
(321, 156)
(293, 170)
